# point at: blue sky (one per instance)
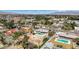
(29, 11)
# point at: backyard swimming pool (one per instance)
(63, 40)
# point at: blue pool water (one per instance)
(63, 40)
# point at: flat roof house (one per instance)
(37, 40)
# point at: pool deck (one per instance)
(62, 40)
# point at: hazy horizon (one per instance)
(38, 11)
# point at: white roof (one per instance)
(76, 28)
(42, 30)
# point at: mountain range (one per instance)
(49, 12)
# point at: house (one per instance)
(2, 27)
(20, 38)
(30, 20)
(38, 37)
(38, 26)
(26, 29)
(76, 30)
(36, 40)
(67, 35)
(16, 19)
(9, 32)
(43, 30)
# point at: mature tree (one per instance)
(17, 34)
(51, 33)
(38, 17)
(25, 42)
(69, 26)
(77, 42)
(34, 24)
(3, 21)
(10, 24)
